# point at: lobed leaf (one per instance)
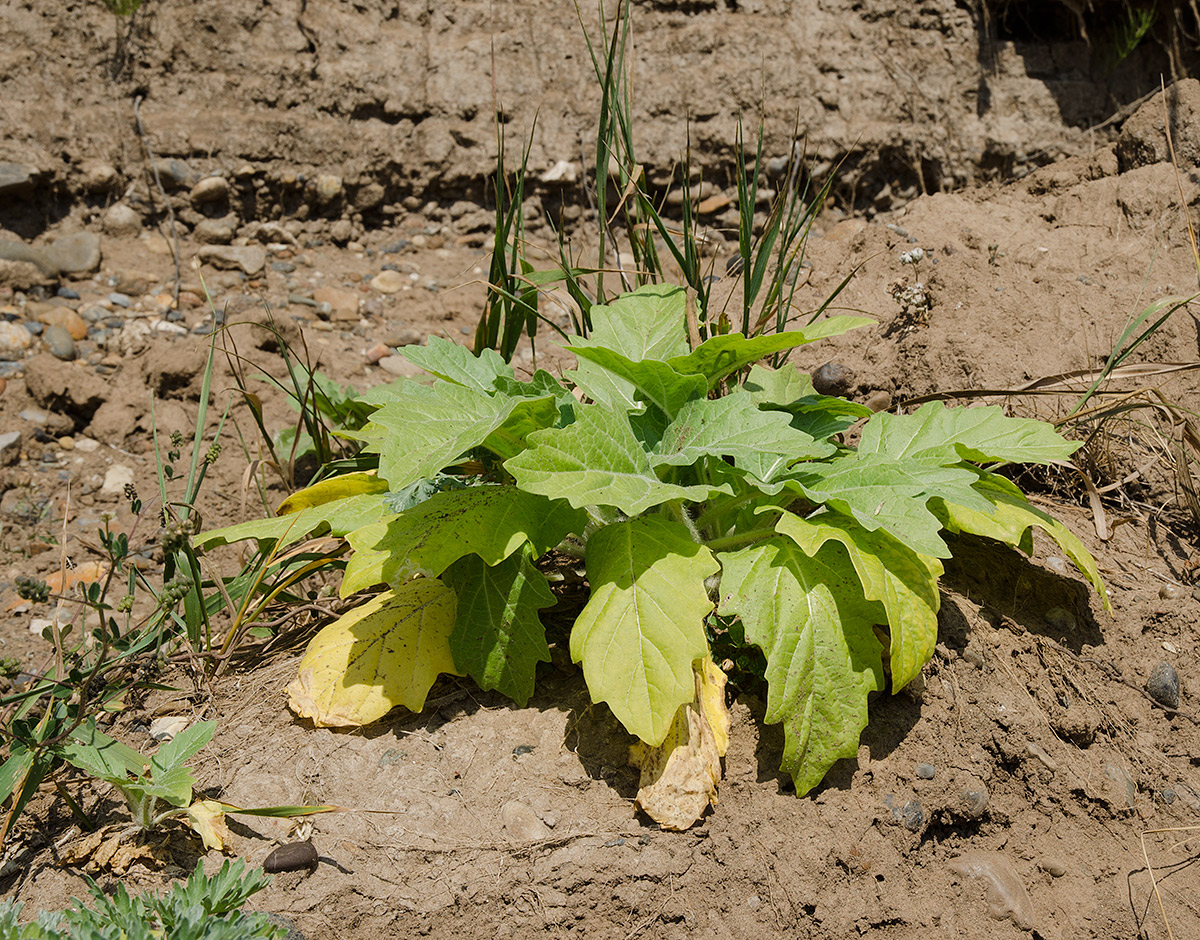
(883, 492)
(723, 355)
(649, 323)
(760, 442)
(656, 381)
(597, 461)
(489, 521)
(643, 626)
(809, 617)
(498, 639)
(1011, 522)
(381, 654)
(904, 581)
(425, 429)
(982, 434)
(455, 363)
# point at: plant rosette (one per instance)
(690, 481)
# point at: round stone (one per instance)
(388, 282)
(1163, 685)
(58, 340)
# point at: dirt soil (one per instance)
(1012, 794)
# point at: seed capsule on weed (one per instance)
(291, 857)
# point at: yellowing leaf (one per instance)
(348, 484)
(207, 819)
(680, 777)
(381, 654)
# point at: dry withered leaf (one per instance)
(113, 848)
(680, 777)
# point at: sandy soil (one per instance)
(1051, 766)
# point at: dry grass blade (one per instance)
(1154, 882)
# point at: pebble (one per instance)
(389, 282)
(120, 300)
(68, 319)
(912, 815)
(974, 801)
(833, 378)
(1163, 685)
(216, 231)
(75, 254)
(121, 221)
(66, 442)
(67, 294)
(926, 771)
(399, 366)
(1054, 867)
(10, 448)
(249, 259)
(117, 477)
(377, 352)
(210, 189)
(14, 340)
(1170, 592)
(291, 857)
(521, 823)
(59, 341)
(879, 400)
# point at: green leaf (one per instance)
(498, 639)
(174, 786)
(643, 626)
(788, 389)
(1011, 523)
(337, 518)
(427, 428)
(650, 323)
(454, 363)
(981, 434)
(381, 654)
(760, 442)
(597, 461)
(174, 753)
(94, 752)
(489, 521)
(656, 381)
(722, 355)
(883, 492)
(904, 581)
(809, 617)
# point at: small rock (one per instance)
(879, 400)
(291, 857)
(399, 366)
(120, 300)
(121, 221)
(1054, 867)
(67, 293)
(209, 190)
(117, 477)
(99, 178)
(75, 254)
(67, 318)
(1037, 752)
(1163, 685)
(341, 231)
(215, 231)
(14, 341)
(343, 304)
(521, 823)
(326, 188)
(377, 352)
(973, 801)
(249, 259)
(1170, 592)
(912, 815)
(174, 174)
(926, 771)
(66, 442)
(10, 448)
(59, 342)
(833, 378)
(16, 180)
(389, 282)
(86, 445)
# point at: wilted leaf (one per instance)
(207, 819)
(339, 487)
(384, 653)
(680, 777)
